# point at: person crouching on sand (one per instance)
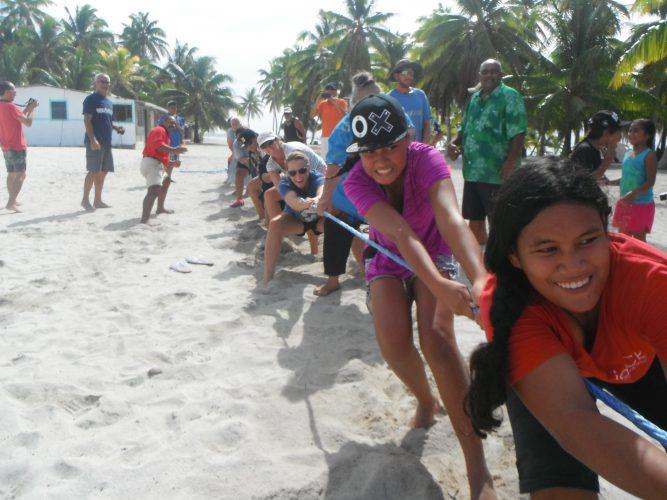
(568, 300)
(301, 189)
(156, 158)
(405, 193)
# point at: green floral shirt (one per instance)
(488, 128)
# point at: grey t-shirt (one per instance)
(316, 161)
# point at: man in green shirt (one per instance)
(491, 139)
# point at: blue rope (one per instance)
(378, 247)
(648, 427)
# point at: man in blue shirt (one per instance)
(414, 101)
(175, 140)
(97, 118)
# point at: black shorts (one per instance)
(478, 199)
(540, 460)
(311, 226)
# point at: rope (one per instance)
(615, 404)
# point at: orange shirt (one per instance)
(157, 137)
(632, 321)
(330, 115)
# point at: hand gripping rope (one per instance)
(378, 247)
(612, 402)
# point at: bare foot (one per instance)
(101, 204)
(327, 288)
(425, 415)
(12, 207)
(485, 491)
(163, 211)
(87, 206)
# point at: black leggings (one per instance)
(337, 244)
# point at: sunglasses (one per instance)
(268, 144)
(302, 171)
(407, 72)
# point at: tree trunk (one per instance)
(543, 142)
(196, 130)
(567, 141)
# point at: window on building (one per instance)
(59, 110)
(122, 112)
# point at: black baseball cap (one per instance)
(377, 121)
(605, 119)
(331, 86)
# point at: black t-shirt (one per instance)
(262, 170)
(587, 156)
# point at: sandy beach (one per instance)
(123, 379)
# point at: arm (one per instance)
(426, 132)
(330, 183)
(300, 131)
(389, 222)
(176, 149)
(25, 117)
(230, 143)
(555, 394)
(275, 177)
(293, 201)
(651, 166)
(606, 161)
(456, 233)
(88, 123)
(118, 128)
(454, 148)
(516, 146)
(313, 110)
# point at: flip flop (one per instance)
(180, 267)
(198, 260)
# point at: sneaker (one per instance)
(237, 203)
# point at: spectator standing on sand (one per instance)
(12, 139)
(491, 141)
(330, 109)
(175, 139)
(235, 124)
(156, 159)
(292, 127)
(98, 120)
(414, 101)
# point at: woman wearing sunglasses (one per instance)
(301, 189)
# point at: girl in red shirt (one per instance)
(568, 300)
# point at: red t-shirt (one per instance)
(330, 115)
(11, 129)
(156, 138)
(632, 321)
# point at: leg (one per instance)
(279, 227)
(11, 190)
(358, 252)
(473, 209)
(314, 243)
(393, 330)
(272, 203)
(87, 186)
(254, 190)
(442, 354)
(98, 182)
(337, 242)
(166, 182)
(239, 180)
(151, 195)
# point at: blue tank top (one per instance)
(633, 175)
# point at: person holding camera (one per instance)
(97, 118)
(12, 139)
(330, 109)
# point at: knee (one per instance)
(395, 347)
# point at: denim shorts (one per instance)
(446, 264)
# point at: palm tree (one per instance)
(15, 63)
(354, 35)
(144, 38)
(76, 72)
(396, 48)
(23, 13)
(201, 94)
(271, 89)
(48, 46)
(123, 69)
(251, 105)
(85, 30)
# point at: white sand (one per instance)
(123, 379)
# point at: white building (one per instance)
(58, 120)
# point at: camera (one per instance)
(32, 102)
(663, 196)
(325, 95)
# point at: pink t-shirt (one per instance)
(11, 129)
(425, 166)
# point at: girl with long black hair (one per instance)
(568, 300)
